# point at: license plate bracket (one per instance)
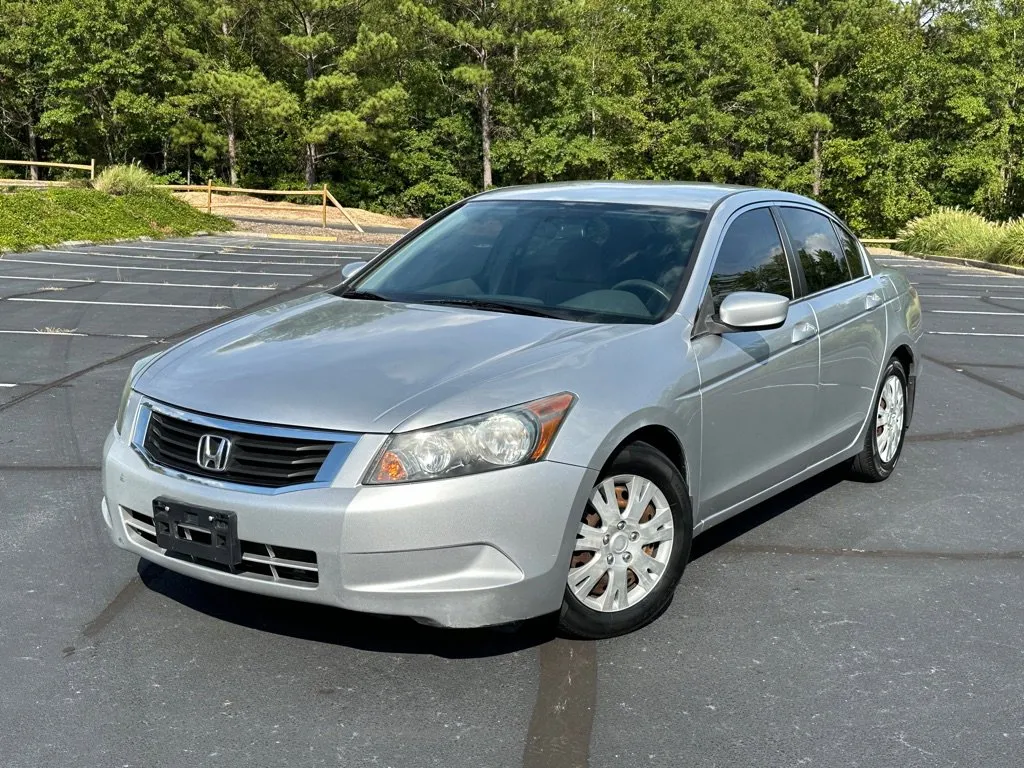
(205, 534)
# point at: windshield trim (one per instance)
(585, 316)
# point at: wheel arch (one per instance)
(660, 437)
(905, 355)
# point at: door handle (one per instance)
(873, 299)
(803, 331)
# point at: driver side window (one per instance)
(751, 258)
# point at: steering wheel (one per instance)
(653, 288)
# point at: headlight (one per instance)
(506, 438)
(126, 393)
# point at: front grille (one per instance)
(266, 562)
(262, 460)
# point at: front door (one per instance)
(758, 388)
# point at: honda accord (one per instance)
(531, 404)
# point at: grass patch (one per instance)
(52, 216)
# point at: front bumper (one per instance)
(464, 552)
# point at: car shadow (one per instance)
(370, 632)
(335, 626)
(767, 510)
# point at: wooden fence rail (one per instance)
(324, 195)
(91, 167)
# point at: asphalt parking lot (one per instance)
(839, 624)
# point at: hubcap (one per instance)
(889, 419)
(623, 544)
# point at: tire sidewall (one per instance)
(885, 468)
(645, 461)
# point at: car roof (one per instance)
(693, 195)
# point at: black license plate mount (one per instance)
(205, 534)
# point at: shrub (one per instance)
(952, 232)
(124, 180)
(1010, 249)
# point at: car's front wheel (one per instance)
(883, 442)
(632, 545)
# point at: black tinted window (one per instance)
(853, 259)
(751, 258)
(817, 247)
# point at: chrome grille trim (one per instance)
(343, 442)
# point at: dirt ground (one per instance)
(292, 211)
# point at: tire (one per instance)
(649, 545)
(873, 463)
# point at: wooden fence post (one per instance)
(209, 196)
(325, 206)
(92, 169)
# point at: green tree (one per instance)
(23, 84)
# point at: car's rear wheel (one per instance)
(883, 443)
(632, 545)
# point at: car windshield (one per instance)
(594, 262)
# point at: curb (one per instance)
(976, 263)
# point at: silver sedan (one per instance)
(529, 405)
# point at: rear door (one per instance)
(758, 388)
(848, 307)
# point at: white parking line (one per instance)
(971, 312)
(967, 296)
(911, 265)
(362, 249)
(159, 269)
(44, 333)
(294, 245)
(119, 303)
(225, 252)
(971, 333)
(191, 285)
(138, 282)
(48, 279)
(279, 255)
(179, 258)
(8, 385)
(967, 285)
(989, 276)
(75, 333)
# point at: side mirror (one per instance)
(750, 311)
(351, 268)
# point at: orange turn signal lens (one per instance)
(391, 469)
(550, 412)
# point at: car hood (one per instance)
(351, 365)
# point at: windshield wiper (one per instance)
(368, 295)
(496, 306)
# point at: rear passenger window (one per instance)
(853, 260)
(751, 258)
(817, 247)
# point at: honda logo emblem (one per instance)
(212, 453)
